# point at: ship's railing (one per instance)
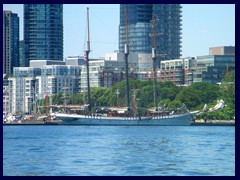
(93, 116)
(160, 117)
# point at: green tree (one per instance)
(174, 104)
(97, 96)
(189, 96)
(76, 99)
(206, 92)
(228, 87)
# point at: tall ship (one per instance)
(123, 116)
(168, 120)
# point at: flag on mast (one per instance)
(85, 56)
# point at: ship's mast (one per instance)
(154, 57)
(126, 52)
(87, 61)
(135, 102)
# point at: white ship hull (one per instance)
(171, 120)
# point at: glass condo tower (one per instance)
(137, 17)
(43, 32)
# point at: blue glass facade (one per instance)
(10, 42)
(43, 32)
(138, 18)
(217, 60)
(168, 28)
(214, 68)
(26, 72)
(135, 13)
(22, 62)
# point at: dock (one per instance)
(214, 123)
(34, 122)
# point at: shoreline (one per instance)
(199, 122)
(196, 123)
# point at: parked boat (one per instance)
(124, 116)
(8, 117)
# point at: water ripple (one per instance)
(100, 150)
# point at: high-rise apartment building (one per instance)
(22, 62)
(43, 32)
(138, 18)
(168, 30)
(10, 42)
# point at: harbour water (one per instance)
(118, 151)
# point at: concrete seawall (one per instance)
(214, 123)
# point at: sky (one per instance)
(203, 26)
